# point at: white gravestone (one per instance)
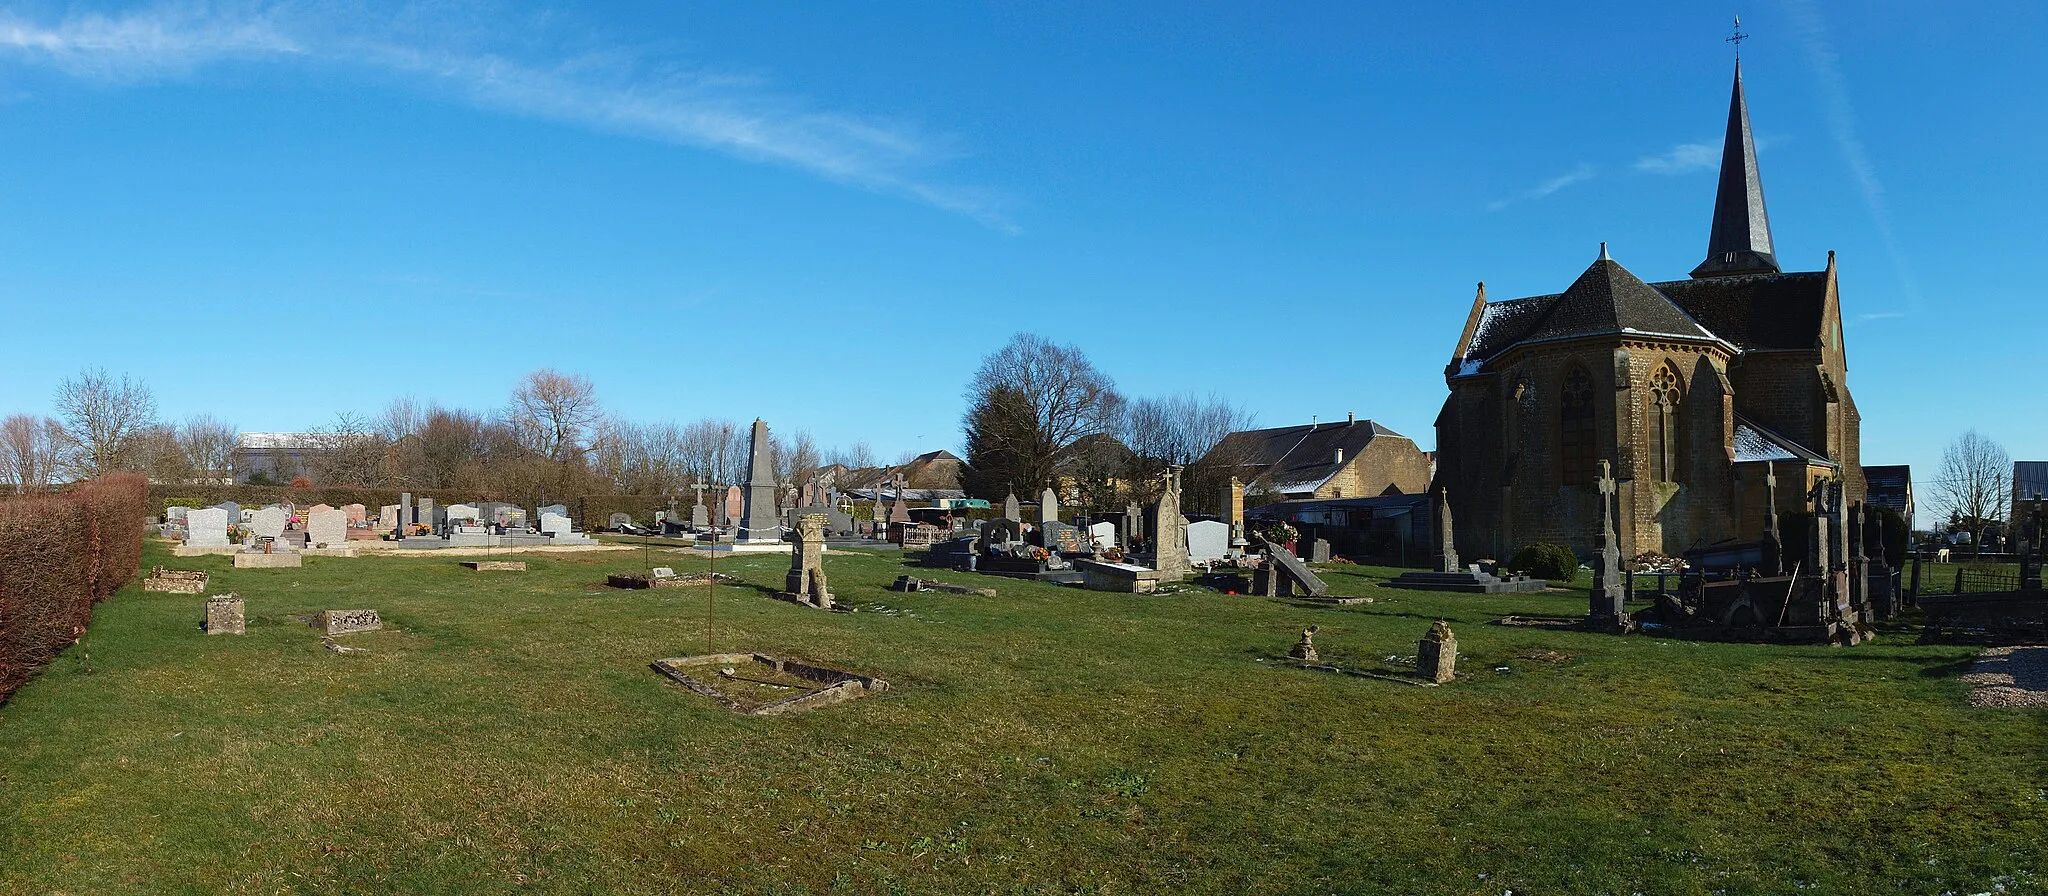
(1103, 535)
(206, 528)
(387, 517)
(554, 524)
(1208, 540)
(355, 513)
(326, 527)
(463, 512)
(268, 522)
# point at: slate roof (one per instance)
(1295, 459)
(1752, 312)
(1755, 443)
(1887, 486)
(1740, 242)
(2028, 477)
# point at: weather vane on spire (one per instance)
(1736, 37)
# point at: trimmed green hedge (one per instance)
(1555, 562)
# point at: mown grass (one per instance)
(506, 735)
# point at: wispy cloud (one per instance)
(1841, 119)
(1685, 158)
(1681, 159)
(1879, 315)
(612, 90)
(1583, 172)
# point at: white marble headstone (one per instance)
(268, 522)
(329, 527)
(1103, 535)
(554, 524)
(1208, 540)
(206, 528)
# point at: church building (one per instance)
(1692, 390)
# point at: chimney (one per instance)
(1340, 455)
(1311, 423)
(1350, 418)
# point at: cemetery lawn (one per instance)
(506, 735)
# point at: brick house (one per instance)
(1353, 459)
(1690, 388)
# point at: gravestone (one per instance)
(207, 528)
(463, 515)
(1608, 610)
(700, 516)
(1134, 524)
(735, 504)
(326, 528)
(552, 523)
(1283, 572)
(1012, 509)
(1319, 551)
(1305, 649)
(556, 509)
(899, 510)
(388, 519)
(355, 513)
(1446, 555)
(805, 582)
(837, 521)
(1170, 541)
(1233, 511)
(1773, 562)
(342, 622)
(234, 510)
(1048, 507)
(619, 521)
(1208, 540)
(1103, 535)
(406, 512)
(757, 513)
(268, 523)
(1063, 538)
(224, 615)
(309, 510)
(1436, 655)
(176, 514)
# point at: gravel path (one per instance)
(2010, 676)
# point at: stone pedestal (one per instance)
(1436, 655)
(1305, 649)
(805, 583)
(224, 615)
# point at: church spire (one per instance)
(1740, 242)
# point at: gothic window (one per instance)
(1578, 455)
(1665, 433)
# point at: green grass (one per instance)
(507, 736)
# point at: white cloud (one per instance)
(1682, 158)
(1583, 172)
(611, 90)
(1879, 315)
(1841, 119)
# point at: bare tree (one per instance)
(714, 451)
(102, 421)
(1030, 401)
(857, 456)
(209, 446)
(553, 413)
(1976, 481)
(28, 451)
(404, 417)
(796, 457)
(348, 451)
(160, 456)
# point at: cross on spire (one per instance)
(1736, 37)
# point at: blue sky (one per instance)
(824, 215)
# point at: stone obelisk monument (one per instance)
(758, 521)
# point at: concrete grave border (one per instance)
(834, 685)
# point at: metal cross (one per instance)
(1736, 37)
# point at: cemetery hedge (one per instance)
(1555, 562)
(60, 554)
